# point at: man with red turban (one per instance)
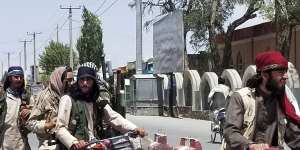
(260, 116)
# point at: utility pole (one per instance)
(34, 55)
(57, 33)
(103, 66)
(20, 58)
(139, 37)
(25, 54)
(8, 59)
(70, 31)
(2, 69)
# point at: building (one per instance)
(247, 42)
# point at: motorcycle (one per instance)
(185, 143)
(272, 148)
(217, 124)
(125, 142)
(131, 141)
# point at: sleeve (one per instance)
(117, 121)
(104, 95)
(103, 99)
(234, 121)
(36, 121)
(292, 136)
(64, 111)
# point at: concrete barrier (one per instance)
(191, 84)
(249, 72)
(208, 81)
(232, 79)
(179, 89)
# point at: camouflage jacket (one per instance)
(45, 108)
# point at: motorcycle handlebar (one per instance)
(107, 143)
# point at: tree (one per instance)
(205, 18)
(55, 55)
(285, 14)
(286, 18)
(89, 44)
(253, 7)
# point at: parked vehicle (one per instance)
(217, 116)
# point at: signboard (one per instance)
(168, 43)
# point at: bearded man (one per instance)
(44, 113)
(261, 116)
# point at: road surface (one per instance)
(173, 127)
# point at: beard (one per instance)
(66, 87)
(272, 86)
(17, 85)
(87, 93)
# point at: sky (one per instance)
(118, 24)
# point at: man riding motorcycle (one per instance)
(82, 111)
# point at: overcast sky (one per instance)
(118, 22)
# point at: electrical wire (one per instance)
(102, 4)
(110, 6)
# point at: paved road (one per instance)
(33, 141)
(173, 127)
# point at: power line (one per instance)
(6, 42)
(108, 8)
(78, 21)
(52, 33)
(8, 57)
(102, 4)
(63, 24)
(58, 20)
(64, 29)
(48, 39)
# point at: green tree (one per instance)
(89, 44)
(285, 14)
(205, 19)
(55, 55)
(253, 7)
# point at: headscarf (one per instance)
(55, 80)
(87, 69)
(270, 60)
(13, 70)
